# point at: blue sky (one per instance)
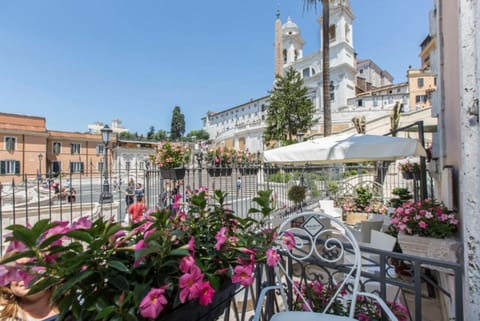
(77, 62)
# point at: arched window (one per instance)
(306, 72)
(332, 33)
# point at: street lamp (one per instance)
(199, 158)
(106, 196)
(40, 157)
(300, 135)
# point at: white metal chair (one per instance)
(326, 243)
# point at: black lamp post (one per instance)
(106, 196)
(300, 135)
(40, 157)
(199, 158)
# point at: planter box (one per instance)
(248, 171)
(173, 173)
(439, 249)
(196, 312)
(353, 218)
(219, 171)
(407, 175)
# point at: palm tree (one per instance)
(327, 112)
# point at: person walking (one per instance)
(129, 196)
(239, 185)
(136, 210)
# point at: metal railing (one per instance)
(430, 290)
(33, 198)
(418, 279)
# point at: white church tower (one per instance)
(342, 60)
(342, 54)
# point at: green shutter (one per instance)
(17, 167)
(2, 167)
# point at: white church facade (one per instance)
(242, 126)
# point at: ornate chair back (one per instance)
(328, 241)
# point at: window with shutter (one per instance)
(57, 148)
(9, 167)
(75, 148)
(76, 167)
(9, 143)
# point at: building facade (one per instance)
(370, 76)
(455, 60)
(28, 150)
(381, 98)
(421, 85)
(242, 126)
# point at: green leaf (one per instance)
(182, 251)
(81, 235)
(24, 235)
(50, 240)
(59, 292)
(120, 282)
(40, 227)
(117, 265)
(43, 284)
(105, 312)
(15, 256)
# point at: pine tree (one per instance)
(177, 128)
(290, 109)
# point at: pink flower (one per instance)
(422, 224)
(82, 223)
(272, 257)
(206, 293)
(186, 263)
(153, 303)
(139, 246)
(289, 240)
(220, 237)
(191, 245)
(16, 246)
(190, 283)
(242, 274)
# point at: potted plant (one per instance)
(425, 228)
(402, 195)
(318, 295)
(248, 163)
(220, 160)
(171, 158)
(297, 194)
(165, 266)
(409, 170)
(357, 208)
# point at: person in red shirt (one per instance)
(136, 209)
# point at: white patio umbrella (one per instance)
(345, 148)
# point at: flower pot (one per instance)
(407, 175)
(248, 171)
(352, 218)
(445, 249)
(173, 173)
(219, 171)
(196, 312)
